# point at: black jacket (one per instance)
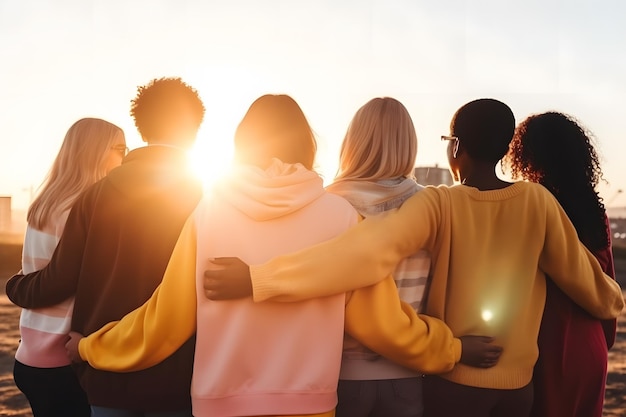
(112, 255)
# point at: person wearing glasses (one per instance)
(116, 244)
(556, 151)
(491, 243)
(121, 149)
(90, 150)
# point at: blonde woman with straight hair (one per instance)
(376, 166)
(42, 371)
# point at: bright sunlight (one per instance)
(212, 154)
(237, 88)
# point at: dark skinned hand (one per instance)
(479, 351)
(227, 279)
(72, 347)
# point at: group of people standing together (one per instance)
(272, 295)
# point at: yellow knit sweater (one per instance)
(490, 253)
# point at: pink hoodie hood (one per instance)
(268, 194)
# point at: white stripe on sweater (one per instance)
(43, 331)
(35, 320)
(37, 246)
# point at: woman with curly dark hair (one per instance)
(556, 151)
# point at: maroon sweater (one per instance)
(114, 250)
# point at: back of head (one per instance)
(485, 128)
(275, 127)
(167, 111)
(380, 142)
(556, 151)
(553, 149)
(81, 161)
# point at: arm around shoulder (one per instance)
(362, 256)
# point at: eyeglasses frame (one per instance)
(123, 149)
(445, 137)
(456, 144)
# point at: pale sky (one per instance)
(61, 60)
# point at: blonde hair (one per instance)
(81, 162)
(380, 143)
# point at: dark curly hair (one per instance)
(556, 151)
(164, 106)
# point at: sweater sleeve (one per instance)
(58, 280)
(154, 331)
(377, 318)
(575, 270)
(362, 256)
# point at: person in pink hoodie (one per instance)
(270, 358)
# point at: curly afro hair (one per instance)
(556, 151)
(162, 105)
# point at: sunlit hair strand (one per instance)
(81, 162)
(380, 143)
(167, 109)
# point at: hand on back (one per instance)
(479, 351)
(228, 279)
(72, 347)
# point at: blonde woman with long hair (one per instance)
(91, 148)
(377, 160)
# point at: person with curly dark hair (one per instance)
(167, 110)
(556, 151)
(115, 247)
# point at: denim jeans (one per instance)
(445, 398)
(380, 398)
(115, 412)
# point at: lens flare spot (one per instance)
(487, 315)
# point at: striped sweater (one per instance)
(369, 199)
(44, 331)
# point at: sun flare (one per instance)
(212, 155)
